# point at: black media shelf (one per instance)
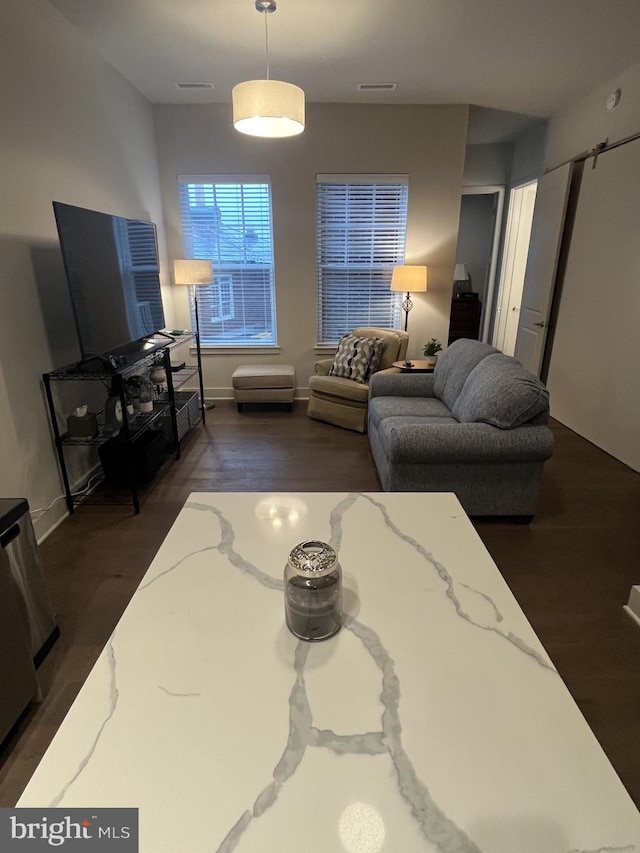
(145, 442)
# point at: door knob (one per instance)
(539, 324)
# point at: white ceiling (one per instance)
(531, 57)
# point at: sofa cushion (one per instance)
(409, 407)
(454, 365)
(352, 359)
(444, 440)
(340, 389)
(501, 392)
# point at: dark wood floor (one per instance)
(571, 569)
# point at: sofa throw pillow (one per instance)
(501, 392)
(352, 359)
(376, 355)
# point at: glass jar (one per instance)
(313, 591)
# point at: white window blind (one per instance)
(228, 220)
(361, 230)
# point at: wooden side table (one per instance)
(414, 366)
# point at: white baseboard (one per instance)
(76, 486)
(633, 607)
(51, 528)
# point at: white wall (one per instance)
(72, 130)
(425, 142)
(488, 165)
(592, 376)
(529, 154)
(586, 123)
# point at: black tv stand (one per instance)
(102, 364)
(95, 364)
(133, 456)
(121, 357)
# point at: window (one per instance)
(228, 220)
(222, 298)
(361, 229)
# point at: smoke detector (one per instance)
(613, 100)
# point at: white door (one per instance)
(516, 248)
(593, 370)
(542, 265)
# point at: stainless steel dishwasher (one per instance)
(18, 542)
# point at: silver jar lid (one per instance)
(313, 559)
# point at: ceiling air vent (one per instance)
(195, 86)
(377, 87)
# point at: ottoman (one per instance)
(264, 383)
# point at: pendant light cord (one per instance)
(266, 40)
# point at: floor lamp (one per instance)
(195, 274)
(408, 279)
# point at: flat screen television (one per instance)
(112, 270)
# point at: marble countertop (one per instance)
(433, 721)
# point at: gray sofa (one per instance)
(476, 426)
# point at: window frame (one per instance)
(369, 277)
(239, 270)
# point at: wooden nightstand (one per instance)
(465, 319)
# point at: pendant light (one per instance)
(268, 108)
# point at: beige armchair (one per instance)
(343, 402)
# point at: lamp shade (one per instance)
(192, 272)
(409, 279)
(461, 273)
(268, 108)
